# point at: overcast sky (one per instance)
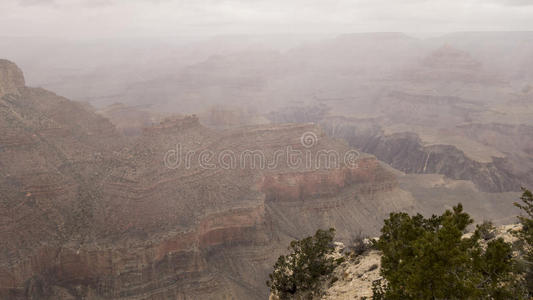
(127, 18)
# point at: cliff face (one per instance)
(447, 64)
(129, 120)
(86, 213)
(11, 78)
(405, 151)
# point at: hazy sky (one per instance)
(126, 18)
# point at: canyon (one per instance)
(89, 213)
(96, 203)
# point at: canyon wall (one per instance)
(88, 213)
(406, 151)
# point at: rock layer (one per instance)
(87, 213)
(405, 151)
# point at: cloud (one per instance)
(112, 18)
(36, 2)
(515, 2)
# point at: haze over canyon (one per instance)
(150, 166)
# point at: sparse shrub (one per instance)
(486, 230)
(358, 245)
(301, 271)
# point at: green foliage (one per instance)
(526, 237)
(428, 258)
(303, 268)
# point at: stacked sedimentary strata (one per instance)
(88, 213)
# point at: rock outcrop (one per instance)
(11, 78)
(130, 120)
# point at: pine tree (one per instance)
(526, 236)
(428, 258)
(302, 269)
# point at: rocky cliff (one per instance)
(11, 78)
(407, 152)
(86, 213)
